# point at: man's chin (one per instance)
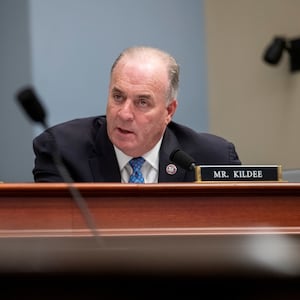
(129, 150)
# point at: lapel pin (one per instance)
(171, 169)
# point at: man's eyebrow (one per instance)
(148, 96)
(114, 89)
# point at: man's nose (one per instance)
(126, 110)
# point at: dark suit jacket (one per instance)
(90, 157)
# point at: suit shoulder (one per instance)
(81, 128)
(185, 133)
(205, 148)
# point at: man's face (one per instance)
(137, 112)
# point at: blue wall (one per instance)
(16, 157)
(74, 42)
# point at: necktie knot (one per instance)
(136, 165)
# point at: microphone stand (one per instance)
(31, 104)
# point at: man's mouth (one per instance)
(124, 131)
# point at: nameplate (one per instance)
(238, 173)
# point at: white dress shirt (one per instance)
(149, 168)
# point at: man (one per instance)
(138, 124)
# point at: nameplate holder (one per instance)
(238, 173)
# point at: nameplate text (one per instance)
(238, 173)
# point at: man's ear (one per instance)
(171, 108)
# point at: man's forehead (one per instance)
(142, 61)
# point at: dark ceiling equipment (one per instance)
(276, 48)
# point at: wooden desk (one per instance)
(211, 231)
(122, 209)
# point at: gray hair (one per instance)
(172, 65)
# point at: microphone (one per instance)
(183, 159)
(29, 101)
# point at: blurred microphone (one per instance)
(29, 101)
(32, 106)
(183, 159)
(274, 51)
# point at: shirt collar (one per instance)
(152, 156)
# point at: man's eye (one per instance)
(142, 102)
(117, 97)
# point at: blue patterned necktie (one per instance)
(136, 165)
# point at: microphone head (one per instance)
(183, 159)
(274, 51)
(31, 104)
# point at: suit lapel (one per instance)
(166, 167)
(102, 160)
